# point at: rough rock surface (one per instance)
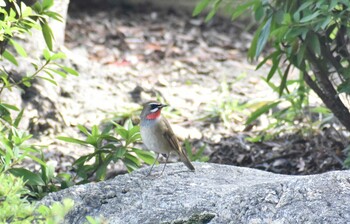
(213, 194)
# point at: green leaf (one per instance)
(119, 153)
(253, 45)
(200, 7)
(18, 119)
(213, 11)
(44, 174)
(278, 17)
(310, 17)
(188, 148)
(59, 55)
(102, 169)
(303, 6)
(62, 74)
(301, 56)
(18, 9)
(47, 4)
(109, 138)
(128, 124)
(147, 156)
(261, 110)
(95, 131)
(284, 80)
(81, 160)
(84, 170)
(9, 106)
(54, 15)
(83, 129)
(72, 140)
(33, 179)
(275, 64)
(107, 128)
(314, 43)
(131, 162)
(20, 50)
(326, 22)
(6, 54)
(49, 73)
(65, 179)
(36, 67)
(36, 159)
(37, 7)
(4, 78)
(46, 54)
(48, 79)
(93, 140)
(7, 143)
(122, 132)
(199, 155)
(259, 11)
(91, 220)
(321, 110)
(5, 114)
(295, 32)
(134, 131)
(280, 33)
(287, 19)
(210, 15)
(239, 10)
(48, 35)
(70, 70)
(27, 83)
(134, 138)
(25, 10)
(263, 37)
(113, 147)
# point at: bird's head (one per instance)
(151, 110)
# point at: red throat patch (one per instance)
(154, 115)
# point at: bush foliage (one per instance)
(19, 183)
(310, 35)
(16, 209)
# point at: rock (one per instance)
(213, 194)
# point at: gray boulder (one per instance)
(213, 194)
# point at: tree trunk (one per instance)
(325, 89)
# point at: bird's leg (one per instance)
(166, 161)
(153, 165)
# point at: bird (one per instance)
(158, 136)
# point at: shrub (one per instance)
(110, 145)
(310, 35)
(18, 183)
(16, 209)
(17, 18)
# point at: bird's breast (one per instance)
(153, 137)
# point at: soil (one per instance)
(130, 54)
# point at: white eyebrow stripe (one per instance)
(154, 110)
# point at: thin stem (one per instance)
(28, 78)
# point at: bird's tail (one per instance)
(185, 160)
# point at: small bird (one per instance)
(157, 134)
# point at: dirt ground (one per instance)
(128, 55)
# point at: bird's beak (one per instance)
(163, 105)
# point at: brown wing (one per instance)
(171, 138)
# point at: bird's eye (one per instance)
(154, 106)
